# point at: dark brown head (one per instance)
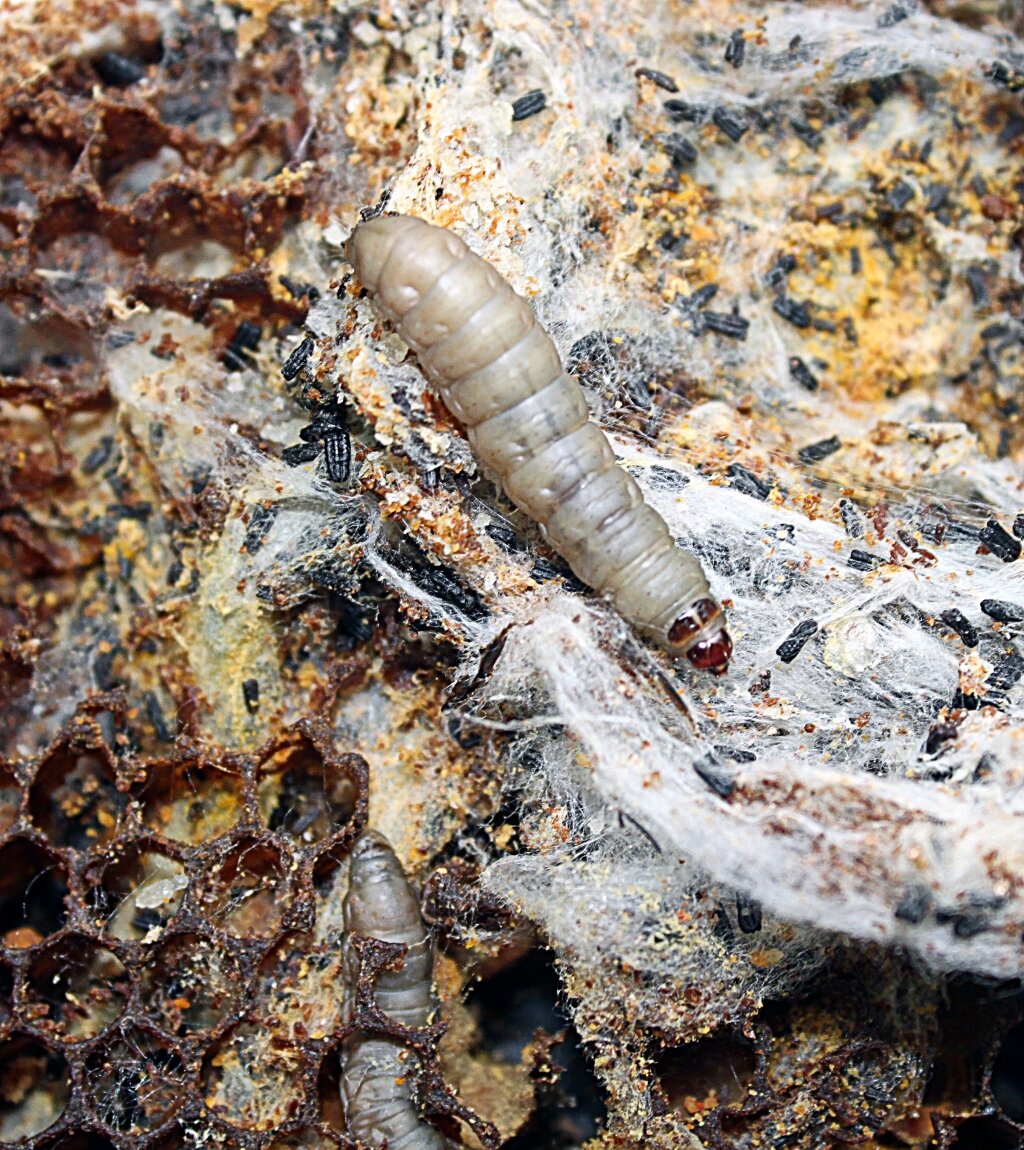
(699, 634)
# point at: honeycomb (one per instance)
(178, 794)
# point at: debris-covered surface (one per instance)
(255, 592)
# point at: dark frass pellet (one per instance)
(938, 197)
(852, 521)
(118, 71)
(863, 561)
(975, 277)
(260, 522)
(1018, 526)
(727, 323)
(729, 125)
(793, 311)
(748, 914)
(682, 110)
(1006, 673)
(815, 452)
(710, 771)
(805, 133)
(856, 262)
(98, 455)
(736, 49)
(899, 195)
(781, 268)
(744, 480)
(1000, 542)
(1002, 611)
(794, 643)
(298, 359)
(802, 373)
(957, 621)
(913, 906)
(680, 151)
(251, 694)
(666, 83)
(528, 105)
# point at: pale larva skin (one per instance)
(381, 904)
(498, 371)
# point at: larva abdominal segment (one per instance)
(497, 370)
(374, 1089)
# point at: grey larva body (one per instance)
(498, 372)
(381, 904)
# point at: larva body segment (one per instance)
(374, 1089)
(497, 370)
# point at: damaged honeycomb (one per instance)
(255, 594)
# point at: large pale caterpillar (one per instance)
(498, 371)
(375, 1069)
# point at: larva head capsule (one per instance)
(699, 635)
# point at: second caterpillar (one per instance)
(498, 371)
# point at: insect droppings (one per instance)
(736, 49)
(729, 125)
(659, 79)
(863, 561)
(957, 621)
(727, 323)
(802, 373)
(815, 452)
(794, 643)
(1000, 542)
(1002, 611)
(297, 360)
(748, 914)
(529, 105)
(793, 311)
(499, 373)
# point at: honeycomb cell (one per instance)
(80, 1140)
(248, 893)
(74, 798)
(190, 985)
(10, 795)
(984, 1133)
(33, 1088)
(1008, 1075)
(139, 890)
(253, 1079)
(74, 988)
(33, 887)
(191, 802)
(301, 986)
(329, 1093)
(301, 793)
(136, 1081)
(717, 1071)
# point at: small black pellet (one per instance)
(975, 277)
(658, 78)
(899, 195)
(736, 49)
(863, 561)
(802, 373)
(710, 772)
(1002, 611)
(117, 70)
(298, 359)
(794, 643)
(1006, 672)
(681, 110)
(814, 452)
(805, 133)
(730, 125)
(680, 151)
(746, 481)
(852, 521)
(260, 522)
(529, 105)
(938, 197)
(1000, 542)
(856, 262)
(1018, 526)
(913, 906)
(727, 323)
(251, 694)
(792, 311)
(748, 914)
(781, 268)
(957, 621)
(98, 455)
